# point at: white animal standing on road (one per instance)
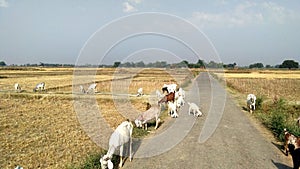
(172, 109)
(195, 109)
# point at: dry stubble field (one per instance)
(269, 84)
(41, 130)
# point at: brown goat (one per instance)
(290, 139)
(168, 97)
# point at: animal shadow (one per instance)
(279, 146)
(245, 108)
(281, 166)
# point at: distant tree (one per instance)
(200, 63)
(256, 65)
(116, 64)
(140, 64)
(230, 65)
(289, 64)
(2, 63)
(268, 66)
(213, 64)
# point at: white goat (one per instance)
(39, 86)
(148, 115)
(119, 137)
(92, 88)
(159, 95)
(181, 92)
(140, 92)
(172, 109)
(251, 102)
(17, 87)
(81, 89)
(195, 109)
(180, 101)
(169, 88)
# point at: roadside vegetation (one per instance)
(278, 96)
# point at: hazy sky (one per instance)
(244, 32)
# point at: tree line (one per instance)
(289, 64)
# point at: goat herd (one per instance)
(175, 99)
(172, 97)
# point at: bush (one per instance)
(277, 116)
(259, 101)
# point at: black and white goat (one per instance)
(121, 136)
(251, 99)
(169, 88)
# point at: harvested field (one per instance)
(270, 84)
(41, 130)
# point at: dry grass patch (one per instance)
(41, 133)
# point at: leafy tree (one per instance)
(289, 64)
(201, 63)
(2, 63)
(116, 64)
(230, 65)
(140, 64)
(268, 66)
(256, 65)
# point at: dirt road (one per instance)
(235, 143)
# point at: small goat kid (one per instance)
(251, 98)
(146, 116)
(195, 109)
(119, 137)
